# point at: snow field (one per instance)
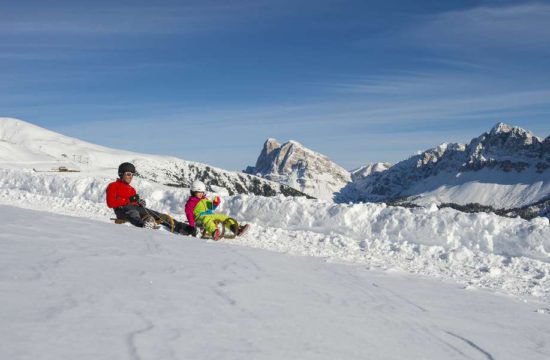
(478, 250)
(73, 288)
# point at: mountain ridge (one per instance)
(27, 146)
(505, 167)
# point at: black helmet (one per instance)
(124, 167)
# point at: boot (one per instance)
(216, 235)
(149, 222)
(243, 230)
(185, 229)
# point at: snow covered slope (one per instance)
(504, 168)
(73, 288)
(26, 146)
(486, 250)
(294, 165)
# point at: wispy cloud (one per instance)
(132, 19)
(118, 68)
(419, 83)
(507, 28)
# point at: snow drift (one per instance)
(486, 250)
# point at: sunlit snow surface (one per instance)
(481, 250)
(74, 288)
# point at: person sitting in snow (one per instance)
(200, 209)
(127, 205)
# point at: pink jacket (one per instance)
(189, 208)
(196, 207)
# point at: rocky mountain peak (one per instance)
(506, 147)
(432, 156)
(369, 169)
(504, 135)
(271, 145)
(297, 166)
(500, 128)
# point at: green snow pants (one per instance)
(209, 222)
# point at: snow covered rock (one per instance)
(504, 168)
(295, 165)
(368, 170)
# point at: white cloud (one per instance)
(131, 19)
(517, 27)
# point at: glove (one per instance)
(134, 198)
(217, 200)
(142, 203)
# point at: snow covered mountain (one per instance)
(27, 146)
(295, 165)
(507, 168)
(504, 168)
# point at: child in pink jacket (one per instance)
(200, 209)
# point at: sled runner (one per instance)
(164, 219)
(228, 229)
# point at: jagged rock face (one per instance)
(391, 183)
(510, 151)
(369, 170)
(294, 165)
(267, 160)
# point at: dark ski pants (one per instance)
(135, 215)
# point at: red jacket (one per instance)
(118, 194)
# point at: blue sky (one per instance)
(210, 81)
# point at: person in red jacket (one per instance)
(127, 205)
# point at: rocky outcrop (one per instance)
(294, 165)
(504, 156)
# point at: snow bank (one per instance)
(79, 194)
(482, 250)
(447, 228)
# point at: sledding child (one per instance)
(200, 209)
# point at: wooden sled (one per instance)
(164, 219)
